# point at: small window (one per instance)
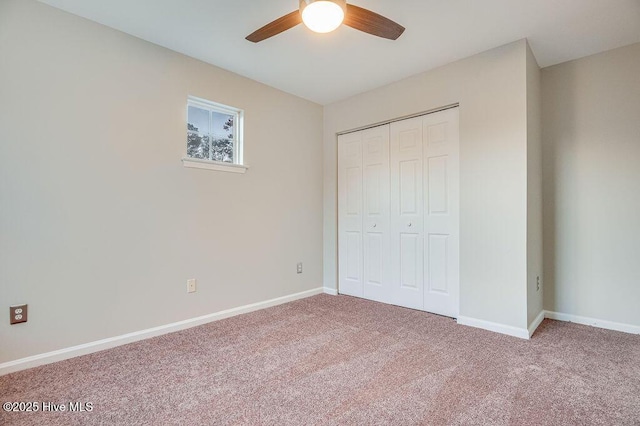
(214, 136)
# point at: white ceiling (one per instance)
(326, 68)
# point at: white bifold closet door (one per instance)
(406, 213)
(398, 213)
(363, 210)
(350, 214)
(375, 169)
(441, 243)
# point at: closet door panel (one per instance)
(441, 242)
(350, 206)
(438, 187)
(375, 161)
(406, 168)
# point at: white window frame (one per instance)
(238, 165)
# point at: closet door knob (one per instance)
(409, 224)
(374, 225)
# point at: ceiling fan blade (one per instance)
(372, 23)
(276, 27)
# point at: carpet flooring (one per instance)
(330, 360)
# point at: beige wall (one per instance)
(534, 189)
(100, 223)
(491, 89)
(591, 158)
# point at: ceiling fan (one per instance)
(324, 16)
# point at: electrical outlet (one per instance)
(191, 285)
(299, 269)
(17, 314)
(537, 283)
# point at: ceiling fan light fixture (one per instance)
(322, 16)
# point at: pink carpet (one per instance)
(344, 361)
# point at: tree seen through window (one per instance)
(210, 134)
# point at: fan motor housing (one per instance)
(341, 3)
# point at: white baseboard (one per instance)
(609, 325)
(522, 333)
(111, 342)
(536, 323)
(527, 333)
(331, 291)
